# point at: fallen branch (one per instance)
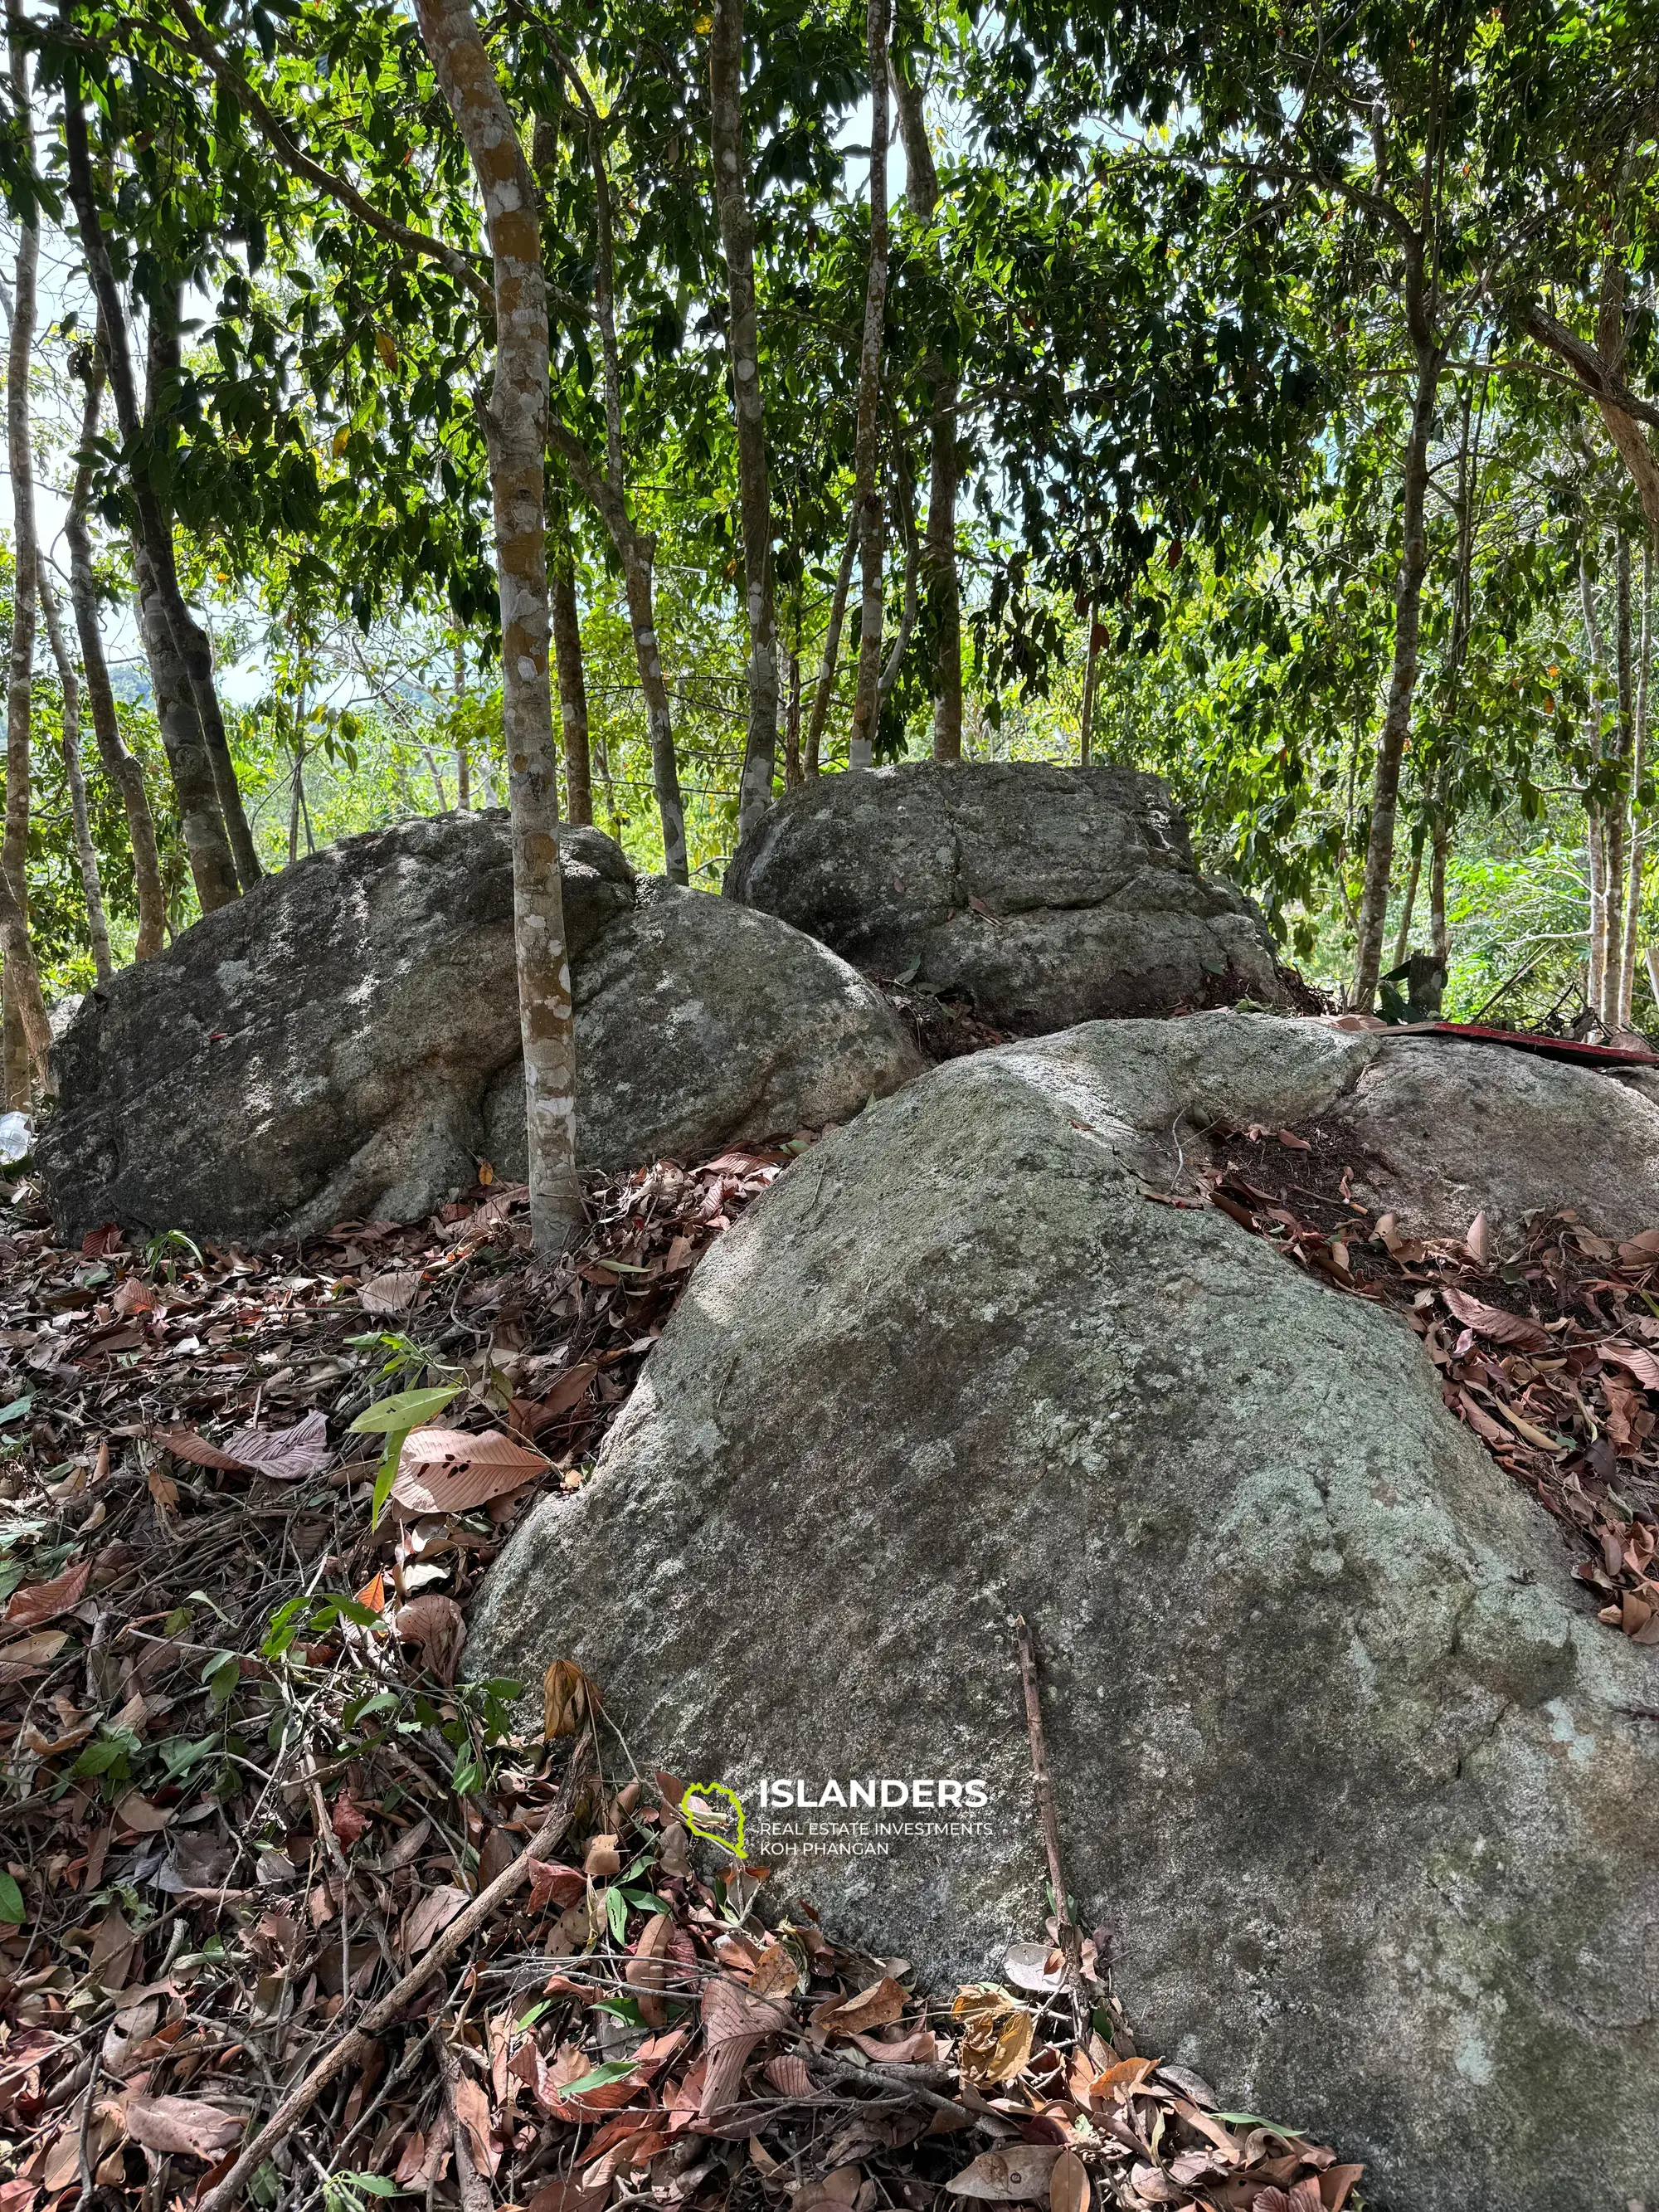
(1071, 1939)
(300, 2100)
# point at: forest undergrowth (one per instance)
(267, 1852)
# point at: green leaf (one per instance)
(614, 2069)
(616, 1912)
(385, 1474)
(403, 1409)
(11, 1901)
(17, 1408)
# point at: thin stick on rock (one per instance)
(466, 1924)
(1071, 1942)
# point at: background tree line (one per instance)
(1256, 394)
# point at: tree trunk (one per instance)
(866, 474)
(941, 580)
(1594, 837)
(793, 778)
(1626, 1010)
(212, 864)
(161, 365)
(1439, 852)
(1085, 734)
(20, 682)
(754, 495)
(212, 868)
(1612, 903)
(86, 852)
(1402, 681)
(463, 757)
(1402, 943)
(294, 789)
(567, 658)
(659, 715)
(125, 770)
(636, 549)
(516, 426)
(824, 688)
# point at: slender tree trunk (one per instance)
(941, 580)
(867, 489)
(516, 426)
(1402, 681)
(1595, 830)
(1614, 872)
(754, 494)
(823, 690)
(1402, 943)
(793, 778)
(1439, 852)
(636, 549)
(20, 682)
(195, 649)
(568, 660)
(659, 715)
(1085, 734)
(86, 852)
(212, 863)
(463, 757)
(1639, 835)
(294, 786)
(123, 769)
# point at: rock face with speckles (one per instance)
(343, 1043)
(1344, 1762)
(1046, 895)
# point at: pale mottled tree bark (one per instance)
(85, 852)
(25, 1012)
(125, 770)
(516, 422)
(754, 496)
(866, 473)
(1638, 835)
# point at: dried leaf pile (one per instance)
(1550, 1353)
(248, 1795)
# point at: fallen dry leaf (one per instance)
(182, 2125)
(42, 1602)
(567, 1699)
(876, 2007)
(1496, 1323)
(437, 1626)
(186, 1444)
(1068, 2185)
(1018, 2175)
(430, 1916)
(450, 1471)
(282, 1454)
(603, 1859)
(393, 1292)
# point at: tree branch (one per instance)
(197, 41)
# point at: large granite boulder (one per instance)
(343, 1043)
(1363, 1792)
(1045, 896)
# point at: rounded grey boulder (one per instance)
(1047, 896)
(1361, 1791)
(343, 1043)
